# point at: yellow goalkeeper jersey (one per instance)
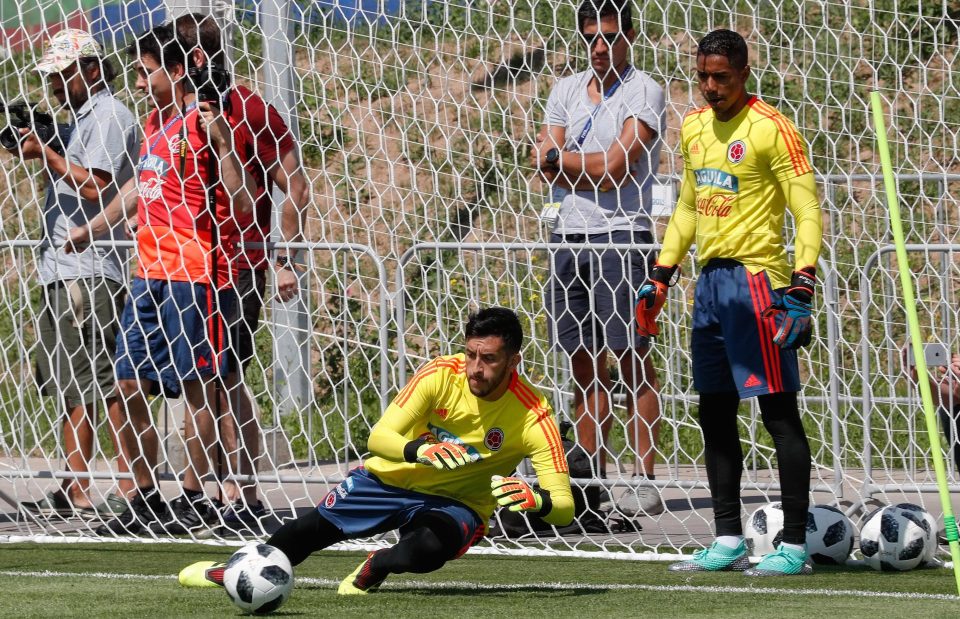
(739, 178)
(437, 404)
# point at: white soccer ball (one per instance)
(764, 530)
(894, 539)
(258, 578)
(830, 535)
(931, 529)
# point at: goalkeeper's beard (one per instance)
(482, 387)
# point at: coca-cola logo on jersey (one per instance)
(150, 189)
(717, 205)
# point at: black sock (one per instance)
(193, 495)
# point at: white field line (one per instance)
(551, 586)
(354, 546)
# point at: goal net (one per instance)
(414, 120)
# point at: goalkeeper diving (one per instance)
(444, 453)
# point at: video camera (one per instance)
(211, 82)
(23, 115)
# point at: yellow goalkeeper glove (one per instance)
(515, 494)
(443, 456)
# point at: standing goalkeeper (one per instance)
(744, 165)
(440, 454)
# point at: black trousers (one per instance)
(724, 459)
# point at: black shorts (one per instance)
(243, 322)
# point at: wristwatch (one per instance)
(283, 262)
(553, 156)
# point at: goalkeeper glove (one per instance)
(517, 495)
(443, 455)
(796, 304)
(651, 297)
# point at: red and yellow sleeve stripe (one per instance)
(794, 143)
(544, 420)
(453, 364)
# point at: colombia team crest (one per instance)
(494, 439)
(736, 152)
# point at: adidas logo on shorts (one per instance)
(753, 381)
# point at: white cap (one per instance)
(65, 48)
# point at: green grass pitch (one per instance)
(127, 580)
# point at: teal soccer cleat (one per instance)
(782, 562)
(716, 558)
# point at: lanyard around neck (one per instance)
(167, 127)
(606, 95)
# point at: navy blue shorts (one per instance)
(592, 292)
(732, 343)
(361, 506)
(167, 334)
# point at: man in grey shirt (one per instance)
(81, 291)
(600, 146)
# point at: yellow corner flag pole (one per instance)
(893, 203)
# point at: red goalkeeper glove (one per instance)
(443, 455)
(515, 494)
(651, 297)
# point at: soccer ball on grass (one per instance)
(258, 578)
(764, 530)
(830, 534)
(931, 530)
(893, 538)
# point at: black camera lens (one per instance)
(10, 139)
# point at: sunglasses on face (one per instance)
(610, 38)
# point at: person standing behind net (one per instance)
(443, 453)
(81, 293)
(601, 141)
(945, 387)
(171, 324)
(274, 162)
(744, 165)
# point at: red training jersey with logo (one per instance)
(174, 224)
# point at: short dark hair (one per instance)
(199, 29)
(498, 321)
(596, 9)
(160, 43)
(724, 43)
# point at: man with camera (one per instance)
(81, 293)
(190, 180)
(274, 163)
